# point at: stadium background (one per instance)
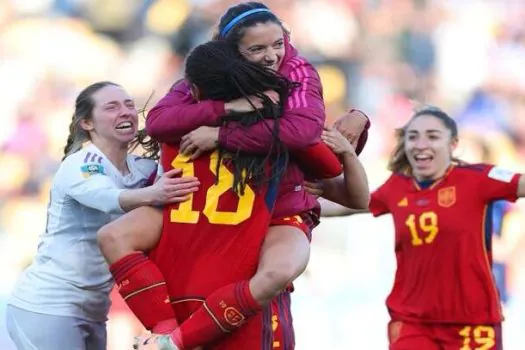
(382, 56)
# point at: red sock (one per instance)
(143, 287)
(224, 311)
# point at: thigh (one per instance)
(410, 336)
(270, 329)
(140, 228)
(470, 337)
(282, 245)
(34, 331)
(97, 336)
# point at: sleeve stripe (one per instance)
(87, 157)
(298, 97)
(303, 88)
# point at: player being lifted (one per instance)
(444, 295)
(302, 120)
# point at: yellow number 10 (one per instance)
(427, 222)
(185, 212)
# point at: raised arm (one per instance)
(350, 190)
(177, 113)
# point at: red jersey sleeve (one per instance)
(379, 200)
(496, 183)
(177, 113)
(318, 161)
(300, 126)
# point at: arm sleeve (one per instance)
(378, 201)
(496, 183)
(177, 113)
(318, 162)
(300, 126)
(89, 185)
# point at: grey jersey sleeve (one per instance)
(90, 185)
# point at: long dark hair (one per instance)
(219, 73)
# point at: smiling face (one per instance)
(263, 43)
(114, 117)
(428, 146)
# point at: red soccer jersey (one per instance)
(214, 238)
(443, 244)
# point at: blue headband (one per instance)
(240, 17)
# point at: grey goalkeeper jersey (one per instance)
(69, 276)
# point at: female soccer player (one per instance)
(62, 299)
(211, 66)
(444, 295)
(214, 72)
(259, 37)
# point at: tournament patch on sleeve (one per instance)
(500, 174)
(92, 169)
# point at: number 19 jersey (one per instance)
(443, 244)
(215, 237)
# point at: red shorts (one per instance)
(305, 221)
(418, 336)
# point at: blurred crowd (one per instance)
(385, 57)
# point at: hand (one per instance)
(199, 141)
(171, 188)
(243, 105)
(337, 142)
(315, 187)
(351, 125)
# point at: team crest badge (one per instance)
(447, 197)
(233, 316)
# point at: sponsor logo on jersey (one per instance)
(403, 202)
(92, 169)
(447, 196)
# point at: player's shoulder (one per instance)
(297, 65)
(483, 170)
(472, 167)
(141, 166)
(397, 182)
(87, 161)
(398, 179)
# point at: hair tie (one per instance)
(240, 17)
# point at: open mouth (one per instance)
(423, 160)
(273, 66)
(125, 126)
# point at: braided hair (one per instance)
(219, 73)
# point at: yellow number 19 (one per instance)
(427, 222)
(185, 212)
(484, 336)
